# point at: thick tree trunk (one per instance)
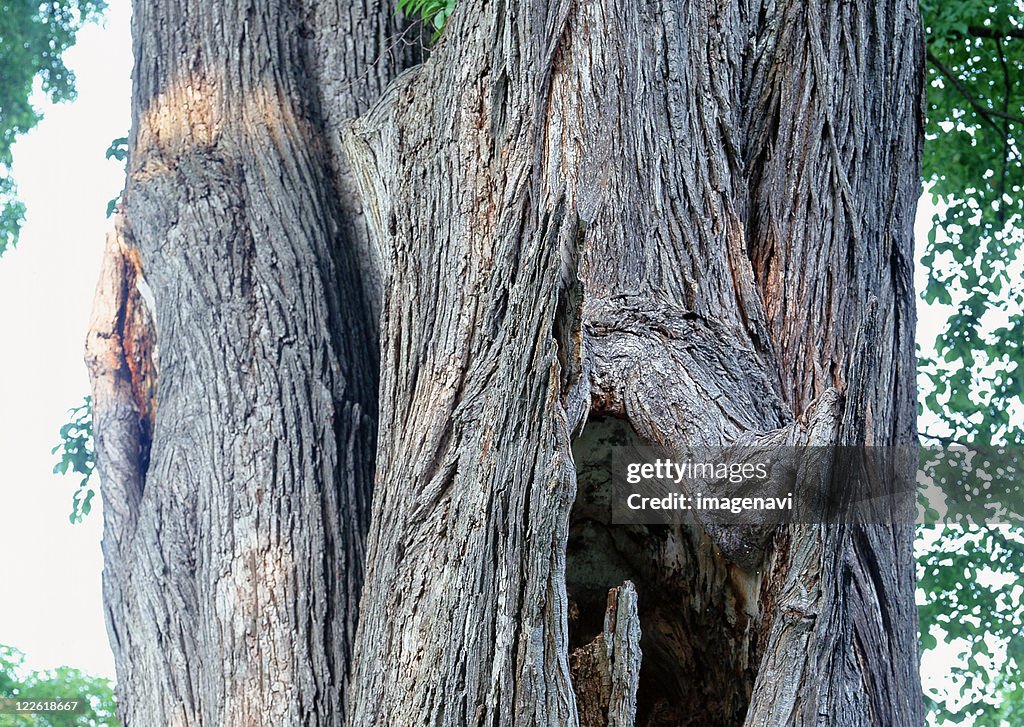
(692, 218)
(237, 497)
(686, 224)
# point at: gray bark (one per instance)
(676, 216)
(606, 672)
(236, 507)
(690, 224)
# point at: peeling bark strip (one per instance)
(606, 672)
(120, 357)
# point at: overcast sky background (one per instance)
(50, 605)
(50, 598)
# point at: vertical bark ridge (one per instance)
(352, 51)
(606, 672)
(832, 143)
(833, 147)
(476, 480)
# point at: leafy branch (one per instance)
(118, 150)
(985, 112)
(33, 38)
(76, 457)
(433, 13)
(973, 382)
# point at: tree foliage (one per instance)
(973, 597)
(61, 683)
(433, 13)
(974, 383)
(76, 457)
(972, 168)
(33, 38)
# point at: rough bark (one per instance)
(606, 672)
(685, 224)
(237, 503)
(682, 217)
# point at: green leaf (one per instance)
(118, 149)
(432, 13)
(75, 452)
(33, 39)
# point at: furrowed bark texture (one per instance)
(593, 222)
(237, 502)
(690, 224)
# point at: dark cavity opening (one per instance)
(699, 645)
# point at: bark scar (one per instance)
(120, 354)
(138, 338)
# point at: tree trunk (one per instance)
(237, 479)
(683, 218)
(679, 224)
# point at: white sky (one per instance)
(50, 600)
(50, 604)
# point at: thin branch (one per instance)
(980, 31)
(986, 113)
(949, 441)
(1007, 91)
